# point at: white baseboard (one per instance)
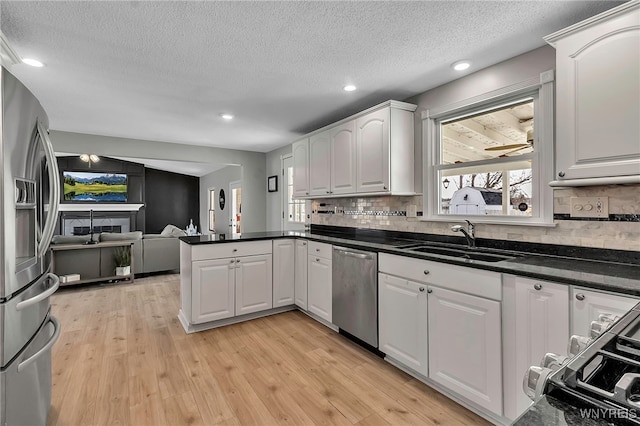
(194, 328)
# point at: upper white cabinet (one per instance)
(536, 321)
(598, 99)
(300, 151)
(343, 158)
(284, 252)
(587, 306)
(368, 153)
(319, 164)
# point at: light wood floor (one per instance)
(123, 359)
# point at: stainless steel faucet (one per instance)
(468, 233)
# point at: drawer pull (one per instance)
(421, 288)
(235, 250)
(538, 287)
(318, 250)
(426, 272)
(430, 290)
(304, 244)
(580, 296)
(561, 174)
(232, 261)
(317, 260)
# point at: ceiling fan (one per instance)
(513, 147)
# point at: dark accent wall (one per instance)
(171, 198)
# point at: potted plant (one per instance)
(122, 258)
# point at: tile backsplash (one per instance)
(621, 232)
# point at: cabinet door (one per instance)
(300, 151)
(254, 290)
(403, 321)
(213, 290)
(301, 274)
(343, 158)
(283, 272)
(541, 326)
(320, 163)
(587, 305)
(372, 142)
(465, 346)
(319, 287)
(598, 95)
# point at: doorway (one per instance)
(235, 189)
(293, 211)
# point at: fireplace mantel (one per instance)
(129, 207)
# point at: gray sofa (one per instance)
(151, 252)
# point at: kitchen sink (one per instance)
(483, 255)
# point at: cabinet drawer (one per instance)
(468, 280)
(217, 251)
(320, 250)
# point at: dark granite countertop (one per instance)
(613, 270)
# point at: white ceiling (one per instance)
(166, 70)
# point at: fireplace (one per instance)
(81, 225)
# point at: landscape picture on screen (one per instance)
(95, 187)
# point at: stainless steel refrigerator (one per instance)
(29, 198)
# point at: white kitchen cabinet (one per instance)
(300, 152)
(587, 305)
(254, 285)
(598, 99)
(385, 155)
(213, 290)
(343, 158)
(284, 252)
(320, 164)
(536, 321)
(402, 321)
(300, 273)
(371, 152)
(319, 282)
(465, 346)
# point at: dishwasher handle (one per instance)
(347, 252)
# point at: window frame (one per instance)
(541, 89)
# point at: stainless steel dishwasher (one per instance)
(355, 293)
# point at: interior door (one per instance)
(235, 191)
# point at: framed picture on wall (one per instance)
(272, 183)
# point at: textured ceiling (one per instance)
(166, 70)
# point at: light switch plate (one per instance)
(589, 206)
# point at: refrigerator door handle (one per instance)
(37, 299)
(56, 334)
(54, 191)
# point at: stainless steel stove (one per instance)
(603, 376)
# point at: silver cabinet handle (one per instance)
(45, 348)
(426, 272)
(421, 289)
(318, 250)
(304, 244)
(561, 174)
(429, 290)
(580, 296)
(235, 250)
(55, 283)
(328, 192)
(237, 260)
(232, 260)
(317, 260)
(538, 287)
(384, 187)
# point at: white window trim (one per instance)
(542, 169)
(283, 219)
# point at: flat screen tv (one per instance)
(95, 187)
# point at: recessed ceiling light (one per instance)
(33, 62)
(461, 65)
(349, 88)
(227, 116)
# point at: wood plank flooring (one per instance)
(123, 359)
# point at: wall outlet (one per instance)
(589, 206)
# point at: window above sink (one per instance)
(490, 158)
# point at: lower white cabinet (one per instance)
(465, 346)
(213, 284)
(319, 287)
(284, 252)
(300, 274)
(402, 321)
(587, 305)
(254, 289)
(536, 321)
